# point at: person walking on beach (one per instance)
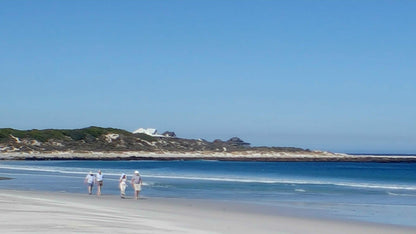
(89, 179)
(136, 182)
(99, 180)
(123, 185)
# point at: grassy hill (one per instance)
(58, 134)
(111, 139)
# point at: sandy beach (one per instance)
(42, 212)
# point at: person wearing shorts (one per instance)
(90, 179)
(99, 180)
(136, 181)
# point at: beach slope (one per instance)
(41, 212)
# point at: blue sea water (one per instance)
(375, 192)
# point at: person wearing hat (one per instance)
(136, 181)
(89, 179)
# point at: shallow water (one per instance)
(376, 192)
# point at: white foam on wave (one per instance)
(41, 169)
(290, 181)
(82, 171)
(401, 194)
(56, 170)
(377, 186)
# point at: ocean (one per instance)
(372, 192)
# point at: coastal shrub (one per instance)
(6, 132)
(145, 137)
(119, 131)
(95, 131)
(91, 132)
(39, 135)
(76, 134)
(44, 135)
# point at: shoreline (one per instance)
(314, 156)
(75, 213)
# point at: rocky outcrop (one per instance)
(237, 142)
(169, 134)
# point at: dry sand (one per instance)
(42, 212)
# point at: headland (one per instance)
(96, 143)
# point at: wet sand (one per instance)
(43, 212)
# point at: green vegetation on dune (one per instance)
(98, 131)
(145, 137)
(5, 133)
(35, 134)
(95, 139)
(93, 131)
(59, 134)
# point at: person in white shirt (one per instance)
(99, 180)
(90, 179)
(123, 185)
(136, 181)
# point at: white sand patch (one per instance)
(36, 143)
(15, 138)
(111, 136)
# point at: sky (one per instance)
(326, 75)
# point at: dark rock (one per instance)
(169, 134)
(235, 141)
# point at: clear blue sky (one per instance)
(329, 75)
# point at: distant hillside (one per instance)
(99, 139)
